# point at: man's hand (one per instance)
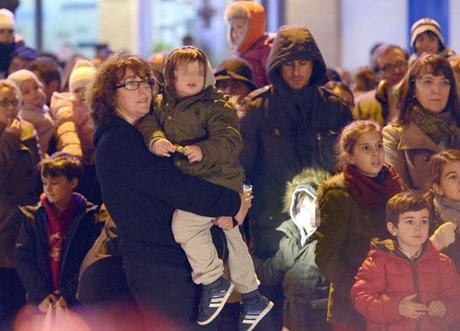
(193, 153)
(224, 222)
(411, 309)
(163, 147)
(246, 203)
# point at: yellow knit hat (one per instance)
(82, 74)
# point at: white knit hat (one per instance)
(19, 76)
(423, 25)
(6, 19)
(82, 74)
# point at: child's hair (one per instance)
(348, 138)
(184, 54)
(426, 64)
(61, 164)
(405, 202)
(438, 162)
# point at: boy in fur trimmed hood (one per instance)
(305, 290)
(198, 126)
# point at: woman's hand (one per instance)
(50, 300)
(246, 203)
(193, 153)
(224, 222)
(163, 147)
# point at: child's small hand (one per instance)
(436, 309)
(14, 127)
(50, 300)
(411, 309)
(61, 303)
(193, 153)
(163, 147)
(224, 222)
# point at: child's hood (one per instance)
(389, 247)
(254, 14)
(209, 80)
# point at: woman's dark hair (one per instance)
(432, 64)
(102, 93)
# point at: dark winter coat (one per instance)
(387, 276)
(32, 251)
(18, 185)
(141, 192)
(285, 131)
(345, 236)
(304, 289)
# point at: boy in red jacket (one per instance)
(405, 283)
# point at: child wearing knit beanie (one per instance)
(34, 109)
(74, 127)
(426, 37)
(82, 75)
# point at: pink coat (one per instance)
(257, 56)
(387, 276)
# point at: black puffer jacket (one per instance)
(32, 251)
(285, 131)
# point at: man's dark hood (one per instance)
(295, 43)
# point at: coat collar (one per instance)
(412, 137)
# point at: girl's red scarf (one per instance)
(371, 192)
(58, 228)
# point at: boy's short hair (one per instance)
(61, 164)
(405, 202)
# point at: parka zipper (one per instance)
(418, 325)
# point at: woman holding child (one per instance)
(141, 192)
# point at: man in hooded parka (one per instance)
(291, 124)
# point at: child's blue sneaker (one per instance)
(253, 312)
(213, 298)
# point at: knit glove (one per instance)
(444, 235)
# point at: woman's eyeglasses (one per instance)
(10, 103)
(133, 85)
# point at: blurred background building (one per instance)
(345, 29)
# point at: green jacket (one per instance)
(207, 120)
(344, 236)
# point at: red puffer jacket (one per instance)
(387, 276)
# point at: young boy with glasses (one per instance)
(198, 126)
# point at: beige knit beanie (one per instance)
(82, 74)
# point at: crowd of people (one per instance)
(268, 193)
